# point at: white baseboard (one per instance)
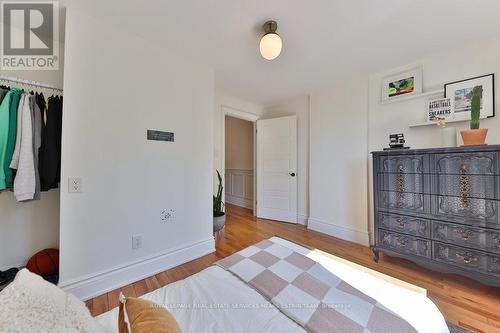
(356, 236)
(302, 219)
(102, 282)
(241, 202)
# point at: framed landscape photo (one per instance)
(402, 84)
(460, 93)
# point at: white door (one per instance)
(277, 169)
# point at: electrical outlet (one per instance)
(75, 185)
(167, 215)
(136, 242)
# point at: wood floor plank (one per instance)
(462, 301)
(128, 291)
(163, 279)
(100, 304)
(177, 273)
(113, 298)
(151, 283)
(140, 288)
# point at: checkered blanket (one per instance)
(308, 293)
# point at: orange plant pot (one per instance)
(475, 137)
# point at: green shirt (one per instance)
(11, 138)
(4, 135)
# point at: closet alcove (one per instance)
(28, 227)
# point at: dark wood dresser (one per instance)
(440, 208)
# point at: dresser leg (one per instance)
(376, 256)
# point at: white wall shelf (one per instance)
(435, 123)
(406, 98)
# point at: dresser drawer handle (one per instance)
(400, 223)
(401, 242)
(465, 234)
(466, 259)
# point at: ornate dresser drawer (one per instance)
(404, 243)
(474, 163)
(402, 182)
(405, 224)
(440, 208)
(476, 238)
(404, 164)
(466, 258)
(403, 202)
(479, 212)
(465, 186)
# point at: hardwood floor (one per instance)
(462, 301)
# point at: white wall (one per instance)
(338, 165)
(26, 228)
(238, 188)
(116, 87)
(299, 107)
(458, 64)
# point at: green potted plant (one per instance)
(219, 215)
(475, 136)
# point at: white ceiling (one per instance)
(324, 41)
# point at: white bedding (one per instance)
(216, 301)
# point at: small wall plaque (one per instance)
(160, 136)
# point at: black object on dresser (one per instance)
(440, 208)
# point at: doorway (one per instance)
(239, 161)
(268, 185)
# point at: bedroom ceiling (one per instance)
(324, 41)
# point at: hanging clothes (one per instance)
(30, 142)
(4, 135)
(36, 120)
(11, 140)
(25, 181)
(40, 121)
(50, 155)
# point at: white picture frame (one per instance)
(460, 94)
(393, 86)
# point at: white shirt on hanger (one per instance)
(25, 181)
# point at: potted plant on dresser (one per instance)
(475, 136)
(219, 215)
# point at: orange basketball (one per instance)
(44, 263)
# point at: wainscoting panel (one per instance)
(239, 187)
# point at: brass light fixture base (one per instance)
(270, 26)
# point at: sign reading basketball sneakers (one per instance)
(29, 36)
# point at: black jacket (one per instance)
(50, 152)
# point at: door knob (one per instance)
(292, 174)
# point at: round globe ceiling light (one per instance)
(270, 44)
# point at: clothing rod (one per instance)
(29, 83)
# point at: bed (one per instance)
(217, 300)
